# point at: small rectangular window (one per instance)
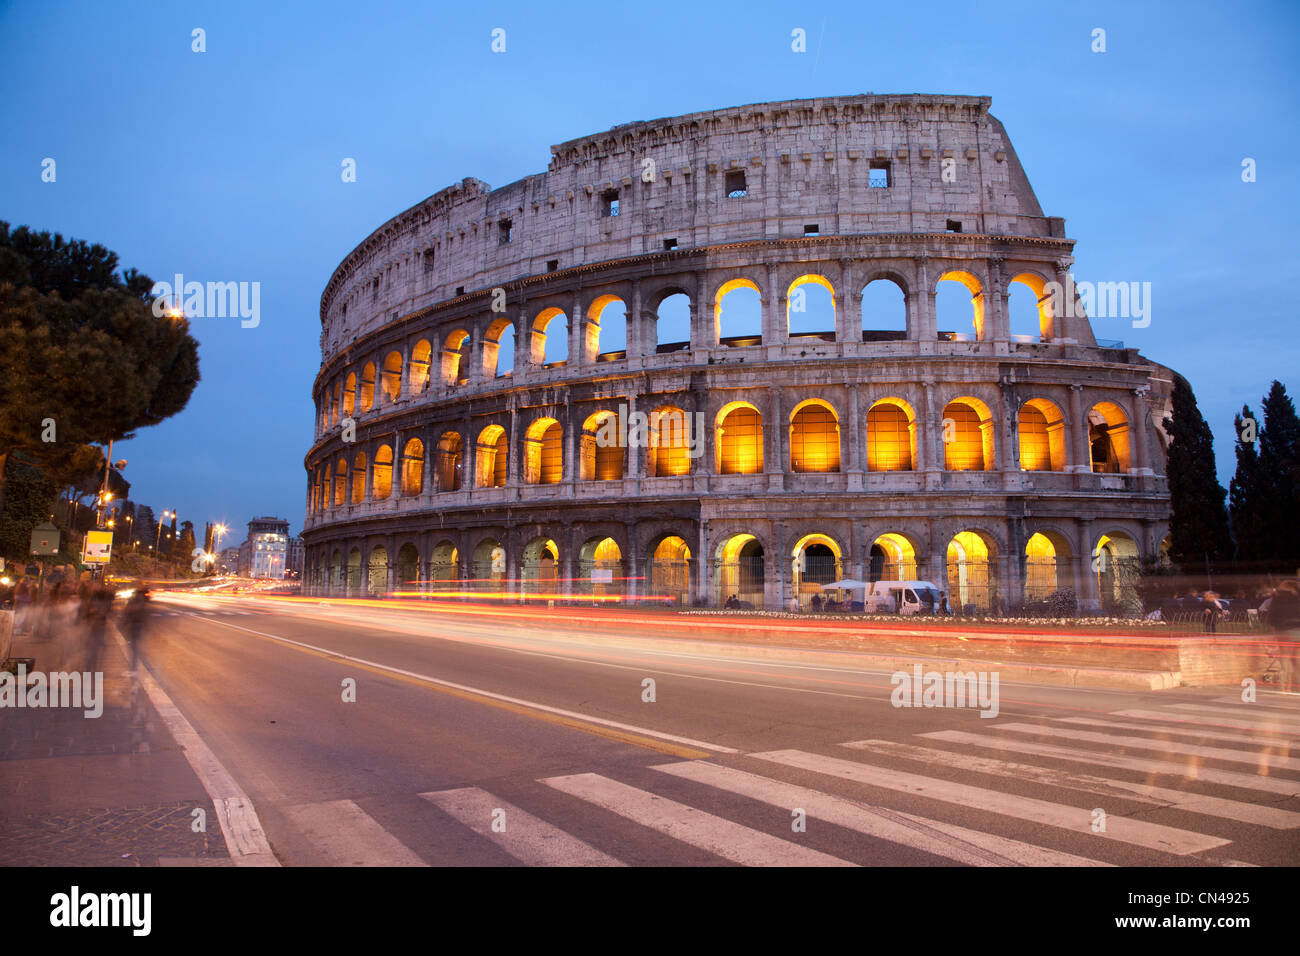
(609, 203)
(552, 265)
(505, 231)
(460, 290)
(812, 229)
(954, 225)
(878, 174)
(670, 245)
(428, 260)
(735, 182)
(374, 291)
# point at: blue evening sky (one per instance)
(225, 165)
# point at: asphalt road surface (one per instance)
(486, 740)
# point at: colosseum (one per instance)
(734, 356)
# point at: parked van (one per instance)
(902, 597)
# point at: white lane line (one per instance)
(1284, 705)
(1142, 742)
(1290, 723)
(529, 840)
(731, 841)
(1105, 786)
(1284, 746)
(1153, 836)
(1188, 720)
(484, 693)
(348, 836)
(240, 827)
(1190, 769)
(946, 840)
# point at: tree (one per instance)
(185, 547)
(1246, 493)
(1198, 527)
(1279, 462)
(31, 501)
(83, 358)
(146, 527)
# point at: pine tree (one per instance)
(1250, 530)
(1198, 527)
(1279, 462)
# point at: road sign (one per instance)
(97, 547)
(45, 539)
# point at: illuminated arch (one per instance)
(669, 571)
(350, 394)
(489, 566)
(606, 334)
(1047, 565)
(1041, 428)
(359, 478)
(381, 482)
(968, 435)
(540, 569)
(367, 402)
(1044, 321)
(498, 349)
(391, 379)
(603, 452)
(491, 457)
(972, 570)
(884, 308)
(421, 360)
(455, 351)
(892, 558)
(448, 465)
(808, 318)
(739, 444)
(341, 483)
(741, 570)
(668, 451)
(731, 331)
(814, 437)
(817, 560)
(976, 290)
(1108, 438)
(544, 329)
(412, 467)
(891, 435)
(598, 559)
(544, 452)
(1115, 566)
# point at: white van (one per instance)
(901, 597)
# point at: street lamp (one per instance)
(217, 531)
(157, 538)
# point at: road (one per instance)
(492, 740)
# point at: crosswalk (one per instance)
(1192, 782)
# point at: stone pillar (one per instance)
(704, 334)
(475, 356)
(636, 327)
(632, 462)
(1003, 435)
(577, 333)
(997, 324)
(775, 331)
(775, 463)
(921, 320)
(568, 564)
(514, 468)
(1080, 449)
(848, 307)
(571, 439)
(1089, 596)
(702, 579)
(1139, 463)
(854, 437)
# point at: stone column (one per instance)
(703, 331)
(775, 332)
(514, 457)
(1139, 463)
(577, 333)
(1089, 596)
(702, 579)
(1080, 449)
(921, 320)
(775, 463)
(632, 461)
(853, 437)
(636, 328)
(997, 324)
(848, 308)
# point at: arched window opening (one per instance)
(668, 454)
(550, 338)
(544, 453)
(741, 574)
(814, 438)
(448, 464)
(967, 436)
(490, 461)
(340, 483)
(1117, 569)
(350, 394)
(413, 467)
(669, 571)
(672, 327)
(421, 360)
(817, 561)
(1108, 439)
(499, 349)
(740, 440)
(408, 567)
(971, 579)
(603, 451)
(540, 572)
(884, 311)
(893, 558)
(368, 387)
(1029, 309)
(391, 381)
(891, 436)
(1042, 436)
(455, 358)
(382, 480)
(359, 478)
(959, 307)
(377, 571)
(738, 314)
(810, 308)
(490, 566)
(607, 329)
(600, 569)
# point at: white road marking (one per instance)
(1291, 723)
(1077, 819)
(1188, 720)
(348, 836)
(240, 827)
(1139, 742)
(1123, 789)
(1191, 731)
(529, 840)
(947, 840)
(726, 839)
(1190, 769)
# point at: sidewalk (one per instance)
(80, 791)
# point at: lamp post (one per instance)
(157, 538)
(217, 531)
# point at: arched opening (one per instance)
(972, 578)
(893, 558)
(377, 571)
(1108, 439)
(490, 566)
(669, 451)
(421, 360)
(455, 356)
(490, 461)
(448, 465)
(499, 349)
(740, 571)
(368, 387)
(891, 436)
(738, 314)
(382, 481)
(959, 307)
(1047, 566)
(669, 571)
(967, 436)
(544, 453)
(391, 380)
(550, 337)
(408, 567)
(672, 328)
(603, 452)
(336, 581)
(444, 567)
(336, 400)
(1041, 428)
(600, 569)
(814, 437)
(884, 311)
(340, 483)
(817, 561)
(350, 394)
(1116, 566)
(412, 467)
(541, 567)
(607, 329)
(810, 308)
(355, 580)
(1029, 309)
(739, 439)
(359, 478)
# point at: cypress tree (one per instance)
(1198, 527)
(1246, 494)
(1279, 461)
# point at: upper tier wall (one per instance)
(805, 162)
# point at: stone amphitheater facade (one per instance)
(1002, 467)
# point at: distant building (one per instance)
(296, 557)
(229, 561)
(265, 553)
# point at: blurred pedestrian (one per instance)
(92, 615)
(24, 592)
(1211, 611)
(1284, 618)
